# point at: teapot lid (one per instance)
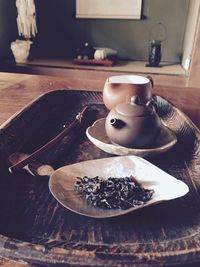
(133, 108)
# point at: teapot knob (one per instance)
(118, 124)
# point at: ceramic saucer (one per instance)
(97, 135)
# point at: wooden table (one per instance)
(17, 90)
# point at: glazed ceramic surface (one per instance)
(132, 124)
(119, 89)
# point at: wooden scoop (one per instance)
(34, 168)
(20, 160)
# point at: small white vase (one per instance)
(20, 50)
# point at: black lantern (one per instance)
(155, 53)
(157, 36)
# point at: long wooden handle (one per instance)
(50, 144)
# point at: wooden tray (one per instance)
(35, 228)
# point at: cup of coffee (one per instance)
(121, 88)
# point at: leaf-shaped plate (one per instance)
(62, 182)
(97, 135)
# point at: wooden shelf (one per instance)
(94, 76)
(120, 66)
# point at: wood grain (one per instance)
(95, 77)
(17, 90)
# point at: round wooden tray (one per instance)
(35, 228)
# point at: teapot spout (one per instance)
(116, 123)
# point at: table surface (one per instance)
(17, 90)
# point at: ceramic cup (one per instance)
(119, 89)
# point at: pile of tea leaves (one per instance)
(113, 193)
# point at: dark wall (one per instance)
(8, 27)
(60, 33)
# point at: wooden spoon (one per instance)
(34, 168)
(21, 160)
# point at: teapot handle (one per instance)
(151, 103)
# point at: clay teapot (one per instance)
(133, 124)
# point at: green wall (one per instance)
(60, 33)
